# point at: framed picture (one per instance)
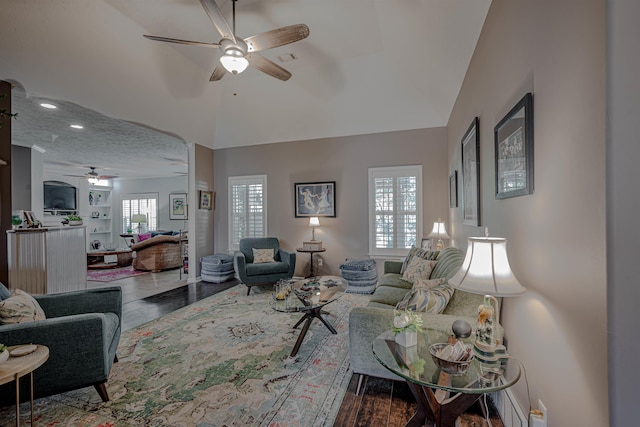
(514, 151)
(315, 199)
(206, 200)
(471, 174)
(453, 189)
(178, 206)
(426, 243)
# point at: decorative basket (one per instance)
(453, 368)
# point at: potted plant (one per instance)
(4, 353)
(406, 325)
(74, 220)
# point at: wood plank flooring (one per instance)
(381, 402)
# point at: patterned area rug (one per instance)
(223, 361)
(111, 274)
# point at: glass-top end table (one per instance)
(441, 397)
(309, 296)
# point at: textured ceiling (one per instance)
(368, 66)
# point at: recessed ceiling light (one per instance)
(77, 126)
(49, 106)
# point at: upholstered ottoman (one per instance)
(361, 275)
(216, 268)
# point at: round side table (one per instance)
(16, 367)
(310, 252)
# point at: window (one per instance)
(395, 209)
(247, 208)
(144, 204)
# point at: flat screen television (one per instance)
(60, 196)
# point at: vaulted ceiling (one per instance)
(368, 66)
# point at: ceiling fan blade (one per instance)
(179, 41)
(267, 66)
(218, 73)
(277, 37)
(215, 15)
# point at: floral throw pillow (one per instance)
(428, 283)
(261, 256)
(418, 268)
(427, 300)
(420, 253)
(20, 307)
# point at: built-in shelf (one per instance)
(98, 215)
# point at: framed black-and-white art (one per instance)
(178, 206)
(471, 174)
(315, 199)
(514, 151)
(453, 189)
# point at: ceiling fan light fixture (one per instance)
(234, 64)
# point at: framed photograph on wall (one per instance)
(471, 174)
(514, 151)
(178, 206)
(426, 244)
(315, 199)
(453, 189)
(206, 200)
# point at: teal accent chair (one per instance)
(262, 274)
(82, 331)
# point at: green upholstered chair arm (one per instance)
(288, 258)
(392, 266)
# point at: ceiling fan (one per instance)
(92, 175)
(239, 53)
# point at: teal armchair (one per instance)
(252, 274)
(82, 331)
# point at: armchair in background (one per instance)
(265, 271)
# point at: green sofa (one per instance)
(82, 332)
(366, 323)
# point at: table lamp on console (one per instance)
(486, 271)
(438, 233)
(313, 245)
(139, 219)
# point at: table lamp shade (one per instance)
(439, 231)
(139, 218)
(314, 221)
(486, 270)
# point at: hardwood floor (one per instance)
(381, 402)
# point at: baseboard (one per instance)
(509, 409)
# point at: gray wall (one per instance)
(344, 160)
(623, 202)
(557, 235)
(201, 239)
(162, 186)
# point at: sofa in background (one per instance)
(263, 273)
(160, 252)
(366, 323)
(82, 332)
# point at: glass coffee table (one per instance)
(309, 296)
(441, 397)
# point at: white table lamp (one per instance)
(485, 270)
(139, 219)
(439, 232)
(313, 223)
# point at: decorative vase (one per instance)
(407, 338)
(4, 356)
